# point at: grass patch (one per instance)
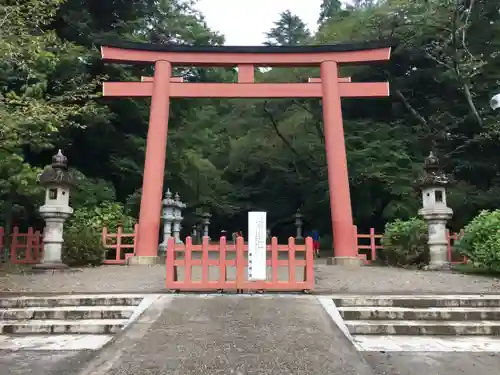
(469, 269)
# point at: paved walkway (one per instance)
(234, 334)
(240, 334)
(329, 279)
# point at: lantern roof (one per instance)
(57, 173)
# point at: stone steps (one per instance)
(425, 327)
(419, 313)
(70, 300)
(84, 326)
(414, 301)
(426, 315)
(68, 313)
(66, 321)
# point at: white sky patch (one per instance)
(245, 23)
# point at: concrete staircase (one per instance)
(459, 315)
(63, 315)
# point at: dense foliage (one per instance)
(231, 156)
(481, 241)
(82, 247)
(405, 242)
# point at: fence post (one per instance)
(13, 244)
(274, 260)
(373, 245)
(355, 234)
(136, 236)
(240, 262)
(171, 268)
(29, 245)
(309, 268)
(222, 261)
(38, 246)
(204, 261)
(119, 232)
(291, 260)
(187, 258)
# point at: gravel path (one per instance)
(396, 280)
(329, 279)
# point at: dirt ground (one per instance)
(329, 279)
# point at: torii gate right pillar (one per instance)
(344, 241)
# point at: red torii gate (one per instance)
(330, 88)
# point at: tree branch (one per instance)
(411, 109)
(317, 125)
(300, 158)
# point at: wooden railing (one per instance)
(368, 252)
(119, 246)
(27, 248)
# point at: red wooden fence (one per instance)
(27, 248)
(453, 257)
(181, 258)
(120, 246)
(375, 243)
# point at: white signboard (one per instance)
(257, 230)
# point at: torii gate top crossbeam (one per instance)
(292, 56)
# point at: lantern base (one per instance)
(51, 267)
(145, 260)
(344, 261)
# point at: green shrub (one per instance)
(109, 214)
(82, 236)
(481, 241)
(405, 242)
(82, 247)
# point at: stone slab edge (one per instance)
(27, 296)
(146, 302)
(331, 309)
(115, 348)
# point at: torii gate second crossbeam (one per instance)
(329, 87)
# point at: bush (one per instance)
(82, 236)
(110, 214)
(82, 247)
(481, 241)
(405, 242)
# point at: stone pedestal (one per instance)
(145, 260)
(344, 261)
(53, 236)
(436, 219)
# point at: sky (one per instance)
(245, 22)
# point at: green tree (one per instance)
(288, 30)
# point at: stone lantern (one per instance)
(167, 215)
(298, 224)
(435, 211)
(205, 220)
(178, 207)
(172, 216)
(57, 180)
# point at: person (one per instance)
(315, 238)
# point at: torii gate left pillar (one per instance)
(330, 87)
